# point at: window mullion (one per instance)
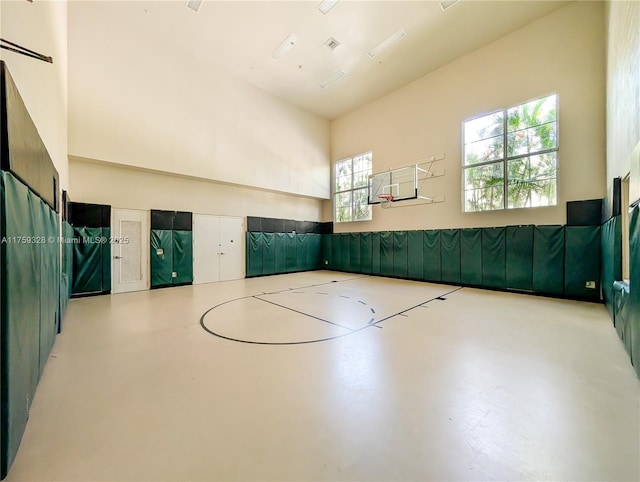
(505, 155)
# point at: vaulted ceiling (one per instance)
(238, 37)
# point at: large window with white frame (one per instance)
(351, 189)
(511, 157)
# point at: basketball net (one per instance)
(385, 200)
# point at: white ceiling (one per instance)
(239, 36)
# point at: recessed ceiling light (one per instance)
(327, 5)
(331, 43)
(194, 5)
(447, 3)
(286, 45)
(336, 76)
(385, 44)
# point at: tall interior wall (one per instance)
(562, 53)
(623, 157)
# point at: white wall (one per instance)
(133, 188)
(623, 94)
(144, 102)
(563, 52)
(42, 27)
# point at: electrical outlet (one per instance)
(590, 284)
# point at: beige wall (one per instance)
(41, 26)
(132, 188)
(623, 94)
(145, 102)
(562, 52)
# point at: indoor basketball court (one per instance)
(325, 240)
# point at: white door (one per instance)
(231, 248)
(218, 248)
(129, 250)
(206, 241)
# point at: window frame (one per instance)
(352, 189)
(505, 158)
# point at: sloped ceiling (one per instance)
(239, 36)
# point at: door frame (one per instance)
(138, 215)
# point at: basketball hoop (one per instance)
(385, 200)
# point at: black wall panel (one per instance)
(584, 213)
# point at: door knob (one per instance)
(117, 257)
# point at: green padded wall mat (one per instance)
(87, 261)
(366, 256)
(632, 332)
(183, 257)
(314, 251)
(268, 253)
(375, 253)
(431, 253)
(335, 252)
(519, 257)
(450, 255)
(400, 254)
(302, 250)
(494, 257)
(343, 259)
(386, 253)
(548, 259)
(355, 264)
(280, 242)
(161, 257)
(106, 259)
(67, 268)
(30, 283)
(582, 261)
(471, 256)
(291, 252)
(611, 246)
(326, 251)
(254, 247)
(415, 258)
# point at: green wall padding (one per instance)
(450, 255)
(280, 242)
(548, 259)
(494, 257)
(582, 261)
(161, 264)
(30, 284)
(335, 252)
(106, 259)
(326, 251)
(415, 258)
(87, 261)
(386, 253)
(375, 253)
(400, 254)
(66, 274)
(254, 248)
(314, 252)
(471, 256)
(519, 257)
(432, 252)
(269, 253)
(611, 268)
(291, 252)
(344, 260)
(355, 263)
(301, 251)
(632, 332)
(621, 311)
(183, 257)
(366, 253)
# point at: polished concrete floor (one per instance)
(331, 376)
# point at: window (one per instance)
(511, 157)
(351, 189)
